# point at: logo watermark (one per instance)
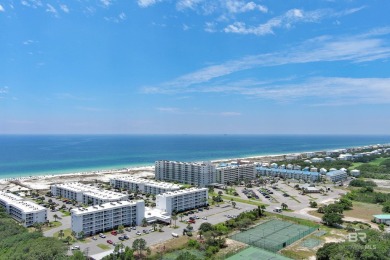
(360, 237)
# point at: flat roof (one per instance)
(182, 192)
(287, 171)
(382, 216)
(18, 202)
(103, 207)
(148, 182)
(90, 190)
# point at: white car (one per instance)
(139, 233)
(75, 248)
(205, 218)
(102, 235)
(94, 238)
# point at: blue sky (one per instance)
(195, 67)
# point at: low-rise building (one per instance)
(384, 218)
(289, 174)
(143, 185)
(85, 193)
(107, 216)
(336, 176)
(355, 173)
(24, 211)
(182, 200)
(233, 173)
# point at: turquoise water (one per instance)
(22, 155)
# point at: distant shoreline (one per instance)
(148, 168)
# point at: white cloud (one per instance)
(2, 8)
(3, 92)
(238, 6)
(122, 16)
(28, 42)
(106, 3)
(32, 3)
(358, 48)
(51, 9)
(168, 109)
(64, 8)
(210, 27)
(147, 3)
(185, 27)
(187, 4)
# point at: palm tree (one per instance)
(160, 227)
(121, 228)
(74, 234)
(234, 204)
(284, 206)
(154, 225)
(61, 234)
(144, 222)
(81, 234)
(68, 239)
(181, 216)
(174, 217)
(55, 217)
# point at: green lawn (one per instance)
(252, 202)
(67, 232)
(65, 213)
(54, 224)
(104, 246)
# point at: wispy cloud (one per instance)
(106, 3)
(32, 3)
(3, 92)
(64, 8)
(187, 4)
(168, 109)
(287, 20)
(147, 3)
(51, 9)
(2, 8)
(238, 6)
(116, 19)
(355, 48)
(28, 42)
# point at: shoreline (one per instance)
(44, 181)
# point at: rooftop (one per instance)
(91, 190)
(382, 216)
(180, 192)
(148, 182)
(18, 202)
(103, 207)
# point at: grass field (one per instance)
(251, 202)
(360, 210)
(104, 246)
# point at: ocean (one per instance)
(25, 155)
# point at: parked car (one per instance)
(75, 248)
(121, 238)
(126, 237)
(128, 229)
(133, 228)
(205, 218)
(175, 235)
(94, 238)
(102, 235)
(138, 233)
(110, 242)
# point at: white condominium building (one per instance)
(85, 193)
(182, 200)
(21, 210)
(108, 216)
(199, 174)
(143, 185)
(229, 173)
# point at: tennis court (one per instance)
(273, 235)
(254, 253)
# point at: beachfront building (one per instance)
(182, 200)
(234, 173)
(107, 216)
(26, 212)
(337, 175)
(198, 174)
(85, 193)
(143, 185)
(289, 174)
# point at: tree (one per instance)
(37, 226)
(185, 255)
(181, 216)
(234, 204)
(77, 255)
(120, 228)
(73, 234)
(211, 189)
(332, 218)
(220, 193)
(68, 239)
(325, 252)
(174, 218)
(144, 222)
(55, 217)
(205, 227)
(154, 225)
(81, 234)
(386, 207)
(139, 245)
(284, 206)
(61, 234)
(313, 204)
(160, 227)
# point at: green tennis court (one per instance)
(254, 253)
(273, 235)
